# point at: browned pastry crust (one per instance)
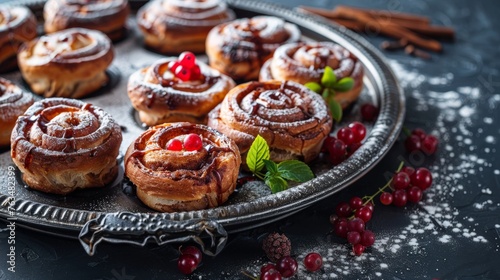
(240, 47)
(107, 16)
(170, 181)
(293, 119)
(69, 63)
(13, 102)
(174, 26)
(305, 62)
(160, 97)
(61, 145)
(17, 25)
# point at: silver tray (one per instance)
(114, 214)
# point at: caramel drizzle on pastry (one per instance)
(17, 24)
(62, 127)
(69, 46)
(13, 101)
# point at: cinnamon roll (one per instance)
(239, 48)
(305, 62)
(293, 119)
(160, 96)
(69, 63)
(17, 25)
(183, 167)
(107, 16)
(13, 102)
(172, 26)
(61, 145)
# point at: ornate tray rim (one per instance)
(57, 220)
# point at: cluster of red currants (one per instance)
(348, 140)
(287, 267)
(192, 142)
(349, 222)
(418, 140)
(189, 259)
(185, 68)
(407, 184)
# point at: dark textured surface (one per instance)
(453, 234)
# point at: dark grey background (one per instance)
(453, 234)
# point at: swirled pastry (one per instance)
(173, 26)
(69, 63)
(13, 102)
(17, 25)
(305, 62)
(160, 96)
(107, 16)
(61, 145)
(240, 47)
(293, 119)
(182, 167)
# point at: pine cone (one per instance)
(276, 246)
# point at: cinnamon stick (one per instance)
(406, 17)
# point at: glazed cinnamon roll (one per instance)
(182, 167)
(172, 26)
(160, 96)
(61, 145)
(17, 25)
(305, 62)
(293, 119)
(13, 102)
(69, 63)
(107, 16)
(239, 48)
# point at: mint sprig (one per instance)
(328, 87)
(277, 174)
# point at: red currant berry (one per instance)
(182, 73)
(355, 202)
(422, 178)
(271, 274)
(187, 59)
(174, 145)
(408, 170)
(187, 264)
(415, 194)
(364, 213)
(343, 210)
(356, 224)
(367, 238)
(400, 180)
(369, 112)
(337, 151)
(429, 145)
(353, 237)
(313, 262)
(287, 266)
(420, 133)
(328, 143)
(172, 65)
(346, 135)
(340, 227)
(359, 131)
(386, 198)
(193, 142)
(352, 148)
(413, 143)
(370, 206)
(195, 72)
(265, 268)
(192, 250)
(400, 198)
(358, 249)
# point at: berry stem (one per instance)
(247, 274)
(406, 131)
(382, 189)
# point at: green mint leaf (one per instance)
(335, 109)
(258, 152)
(295, 170)
(276, 183)
(345, 84)
(271, 166)
(313, 86)
(328, 79)
(327, 93)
